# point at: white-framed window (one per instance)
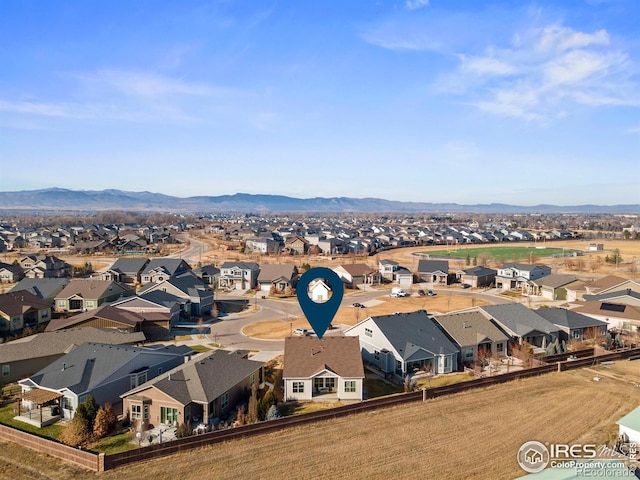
(368, 332)
(297, 387)
(44, 314)
(136, 411)
(66, 403)
(500, 347)
(349, 385)
(6, 370)
(447, 362)
(468, 352)
(146, 412)
(252, 378)
(138, 378)
(224, 400)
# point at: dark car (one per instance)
(465, 285)
(358, 305)
(431, 293)
(421, 293)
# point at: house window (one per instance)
(90, 303)
(160, 370)
(298, 387)
(224, 400)
(44, 314)
(368, 332)
(136, 411)
(350, 386)
(66, 403)
(576, 334)
(500, 347)
(138, 378)
(376, 355)
(468, 352)
(252, 378)
(146, 412)
(6, 369)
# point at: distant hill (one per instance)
(59, 199)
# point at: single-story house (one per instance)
(103, 371)
(434, 271)
(472, 332)
(205, 389)
(554, 286)
(356, 274)
(573, 325)
(327, 368)
(401, 343)
(477, 276)
(521, 324)
(277, 276)
(44, 288)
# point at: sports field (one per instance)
(502, 253)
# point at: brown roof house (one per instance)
(22, 309)
(88, 294)
(277, 276)
(356, 274)
(203, 390)
(329, 368)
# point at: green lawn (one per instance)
(6, 418)
(199, 348)
(501, 252)
(115, 444)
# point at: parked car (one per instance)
(398, 292)
(421, 293)
(431, 293)
(358, 305)
(465, 285)
(301, 332)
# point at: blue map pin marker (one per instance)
(320, 312)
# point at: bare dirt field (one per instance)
(442, 303)
(475, 434)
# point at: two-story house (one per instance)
(238, 275)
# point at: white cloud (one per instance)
(487, 66)
(556, 38)
(416, 4)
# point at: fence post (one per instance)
(424, 394)
(559, 367)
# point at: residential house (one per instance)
(278, 277)
(104, 371)
(329, 368)
(238, 275)
(27, 355)
(188, 287)
(394, 272)
(617, 315)
(44, 266)
(296, 245)
(573, 325)
(333, 246)
(264, 245)
(126, 270)
(88, 294)
(626, 297)
(208, 274)
(203, 390)
(105, 316)
(403, 343)
(554, 286)
(521, 324)
(477, 277)
(356, 275)
(518, 276)
(10, 273)
(472, 332)
(43, 288)
(160, 311)
(22, 309)
(160, 269)
(609, 283)
(434, 271)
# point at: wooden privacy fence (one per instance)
(103, 462)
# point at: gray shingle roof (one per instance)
(42, 287)
(63, 341)
(204, 378)
(428, 266)
(519, 319)
(569, 319)
(406, 330)
(91, 363)
(129, 265)
(470, 328)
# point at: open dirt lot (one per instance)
(441, 303)
(474, 434)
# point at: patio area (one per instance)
(38, 407)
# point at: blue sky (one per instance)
(431, 101)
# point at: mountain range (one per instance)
(64, 200)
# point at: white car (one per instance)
(301, 332)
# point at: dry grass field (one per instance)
(441, 303)
(474, 434)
